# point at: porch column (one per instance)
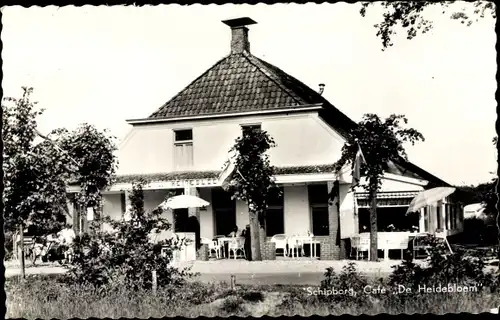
(126, 202)
(421, 220)
(444, 215)
(194, 213)
(330, 249)
(76, 215)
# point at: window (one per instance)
(224, 209)
(250, 127)
(180, 216)
(275, 216)
(318, 202)
(183, 149)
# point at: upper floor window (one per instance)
(250, 127)
(183, 149)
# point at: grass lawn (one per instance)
(48, 297)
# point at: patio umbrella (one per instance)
(184, 202)
(428, 198)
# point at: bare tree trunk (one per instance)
(254, 236)
(21, 249)
(498, 236)
(373, 227)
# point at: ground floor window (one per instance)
(224, 209)
(320, 221)
(181, 220)
(318, 203)
(389, 219)
(452, 216)
(275, 215)
(275, 221)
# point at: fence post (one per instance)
(155, 281)
(233, 282)
(21, 247)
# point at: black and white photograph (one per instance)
(250, 159)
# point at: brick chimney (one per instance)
(239, 34)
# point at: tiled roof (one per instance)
(241, 82)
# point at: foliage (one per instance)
(60, 298)
(460, 268)
(254, 180)
(409, 15)
(96, 160)
(478, 231)
(482, 193)
(128, 255)
(35, 175)
(381, 141)
(232, 304)
(45, 297)
(349, 278)
(256, 183)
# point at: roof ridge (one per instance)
(188, 85)
(264, 70)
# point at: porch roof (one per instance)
(185, 175)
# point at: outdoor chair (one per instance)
(280, 241)
(221, 244)
(363, 245)
(213, 247)
(354, 246)
(295, 244)
(419, 246)
(236, 245)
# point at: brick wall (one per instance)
(330, 246)
(267, 248)
(202, 252)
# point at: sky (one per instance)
(104, 65)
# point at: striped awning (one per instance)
(388, 195)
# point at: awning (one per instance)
(387, 199)
(388, 195)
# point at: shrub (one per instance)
(233, 304)
(127, 256)
(349, 279)
(460, 268)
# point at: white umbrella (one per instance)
(428, 198)
(184, 202)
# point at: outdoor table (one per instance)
(306, 239)
(390, 241)
(224, 243)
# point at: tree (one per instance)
(409, 15)
(381, 142)
(95, 154)
(254, 180)
(128, 254)
(35, 175)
